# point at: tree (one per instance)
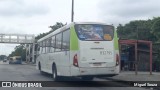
(156, 33)
(40, 36)
(53, 28)
(138, 29)
(56, 26)
(143, 30)
(156, 29)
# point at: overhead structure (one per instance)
(19, 39)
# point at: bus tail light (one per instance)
(117, 59)
(75, 60)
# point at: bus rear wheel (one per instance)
(39, 66)
(54, 73)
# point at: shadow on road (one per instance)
(78, 82)
(63, 78)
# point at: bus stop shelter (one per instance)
(135, 44)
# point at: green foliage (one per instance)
(53, 28)
(156, 28)
(138, 29)
(142, 30)
(40, 36)
(56, 26)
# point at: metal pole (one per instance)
(26, 54)
(136, 64)
(150, 58)
(9, 38)
(29, 53)
(119, 55)
(72, 13)
(33, 47)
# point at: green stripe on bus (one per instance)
(116, 47)
(73, 39)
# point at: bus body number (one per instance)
(105, 53)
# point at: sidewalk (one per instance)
(141, 76)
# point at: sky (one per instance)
(35, 16)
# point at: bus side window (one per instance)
(38, 48)
(58, 42)
(44, 46)
(66, 40)
(52, 49)
(47, 45)
(40, 51)
(41, 47)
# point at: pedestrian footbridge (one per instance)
(17, 38)
(28, 39)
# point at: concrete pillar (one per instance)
(29, 52)
(26, 52)
(9, 38)
(17, 38)
(33, 47)
(2, 38)
(25, 39)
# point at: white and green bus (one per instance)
(80, 49)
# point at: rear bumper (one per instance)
(97, 72)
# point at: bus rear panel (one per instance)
(96, 54)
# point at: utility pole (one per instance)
(136, 53)
(72, 13)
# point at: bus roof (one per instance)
(91, 23)
(66, 27)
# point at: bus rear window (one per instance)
(94, 32)
(18, 58)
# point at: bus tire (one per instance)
(54, 73)
(87, 78)
(39, 66)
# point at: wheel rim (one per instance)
(39, 66)
(54, 74)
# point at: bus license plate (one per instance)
(97, 64)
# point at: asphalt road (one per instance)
(29, 73)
